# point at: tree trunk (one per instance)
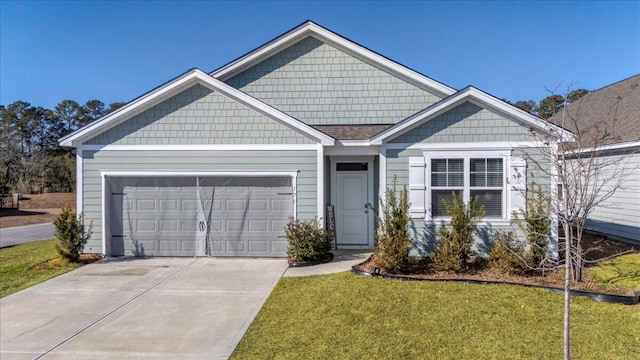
(567, 287)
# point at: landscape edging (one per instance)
(616, 299)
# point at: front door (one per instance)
(352, 208)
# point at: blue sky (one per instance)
(116, 51)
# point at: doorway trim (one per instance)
(334, 160)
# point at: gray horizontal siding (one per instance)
(619, 215)
(199, 116)
(319, 84)
(275, 160)
(465, 123)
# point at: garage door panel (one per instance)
(171, 216)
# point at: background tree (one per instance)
(576, 94)
(91, 111)
(30, 158)
(526, 105)
(115, 106)
(550, 106)
(69, 115)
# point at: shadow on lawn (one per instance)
(16, 212)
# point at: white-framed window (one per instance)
(482, 177)
(471, 173)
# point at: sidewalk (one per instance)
(343, 261)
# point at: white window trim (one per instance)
(504, 154)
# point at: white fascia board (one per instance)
(175, 173)
(322, 34)
(475, 96)
(202, 147)
(351, 150)
(468, 146)
(619, 146)
(190, 78)
(129, 110)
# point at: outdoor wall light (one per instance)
(376, 271)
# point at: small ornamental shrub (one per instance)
(454, 240)
(71, 234)
(535, 222)
(508, 254)
(393, 242)
(308, 241)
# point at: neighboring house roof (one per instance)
(478, 97)
(611, 113)
(352, 132)
(175, 86)
(309, 28)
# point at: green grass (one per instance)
(345, 316)
(25, 265)
(622, 271)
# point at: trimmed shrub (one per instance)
(393, 242)
(308, 241)
(454, 240)
(508, 254)
(71, 234)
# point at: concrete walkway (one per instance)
(343, 261)
(24, 234)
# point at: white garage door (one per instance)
(199, 216)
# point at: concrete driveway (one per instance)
(139, 308)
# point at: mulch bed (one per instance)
(420, 269)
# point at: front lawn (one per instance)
(28, 264)
(345, 316)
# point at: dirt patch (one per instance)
(36, 209)
(48, 201)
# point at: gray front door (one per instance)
(352, 213)
(197, 216)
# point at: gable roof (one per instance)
(613, 111)
(175, 86)
(309, 28)
(478, 97)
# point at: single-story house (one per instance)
(214, 164)
(609, 128)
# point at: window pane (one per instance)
(494, 179)
(494, 165)
(438, 165)
(478, 165)
(456, 165)
(437, 205)
(491, 200)
(456, 179)
(439, 179)
(478, 179)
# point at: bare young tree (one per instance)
(587, 170)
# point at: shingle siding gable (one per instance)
(465, 123)
(199, 116)
(322, 85)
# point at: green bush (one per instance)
(393, 242)
(535, 222)
(308, 241)
(71, 234)
(454, 240)
(508, 254)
